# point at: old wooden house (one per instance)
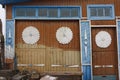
(65, 37)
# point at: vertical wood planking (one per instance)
(48, 50)
(105, 56)
(70, 2)
(82, 3)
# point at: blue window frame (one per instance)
(47, 12)
(100, 12)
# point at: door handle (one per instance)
(107, 66)
(97, 66)
(103, 66)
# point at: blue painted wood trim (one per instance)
(100, 17)
(86, 72)
(107, 77)
(9, 39)
(12, 1)
(118, 40)
(85, 39)
(47, 17)
(86, 49)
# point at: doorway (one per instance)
(104, 53)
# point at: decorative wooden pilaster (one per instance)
(86, 49)
(2, 65)
(118, 42)
(9, 42)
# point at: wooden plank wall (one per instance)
(48, 50)
(105, 56)
(110, 52)
(82, 3)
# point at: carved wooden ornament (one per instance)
(30, 35)
(103, 39)
(64, 35)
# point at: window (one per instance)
(100, 12)
(45, 12)
(25, 12)
(64, 12)
(20, 12)
(74, 12)
(30, 12)
(53, 12)
(42, 12)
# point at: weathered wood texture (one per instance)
(82, 3)
(105, 56)
(48, 50)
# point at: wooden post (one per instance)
(86, 50)
(1, 47)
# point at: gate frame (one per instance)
(118, 45)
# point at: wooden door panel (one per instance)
(104, 60)
(112, 32)
(48, 50)
(104, 63)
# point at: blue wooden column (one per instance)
(9, 39)
(85, 30)
(118, 37)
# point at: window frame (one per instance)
(46, 17)
(111, 17)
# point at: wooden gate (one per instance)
(104, 57)
(48, 54)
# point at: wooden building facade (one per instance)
(65, 36)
